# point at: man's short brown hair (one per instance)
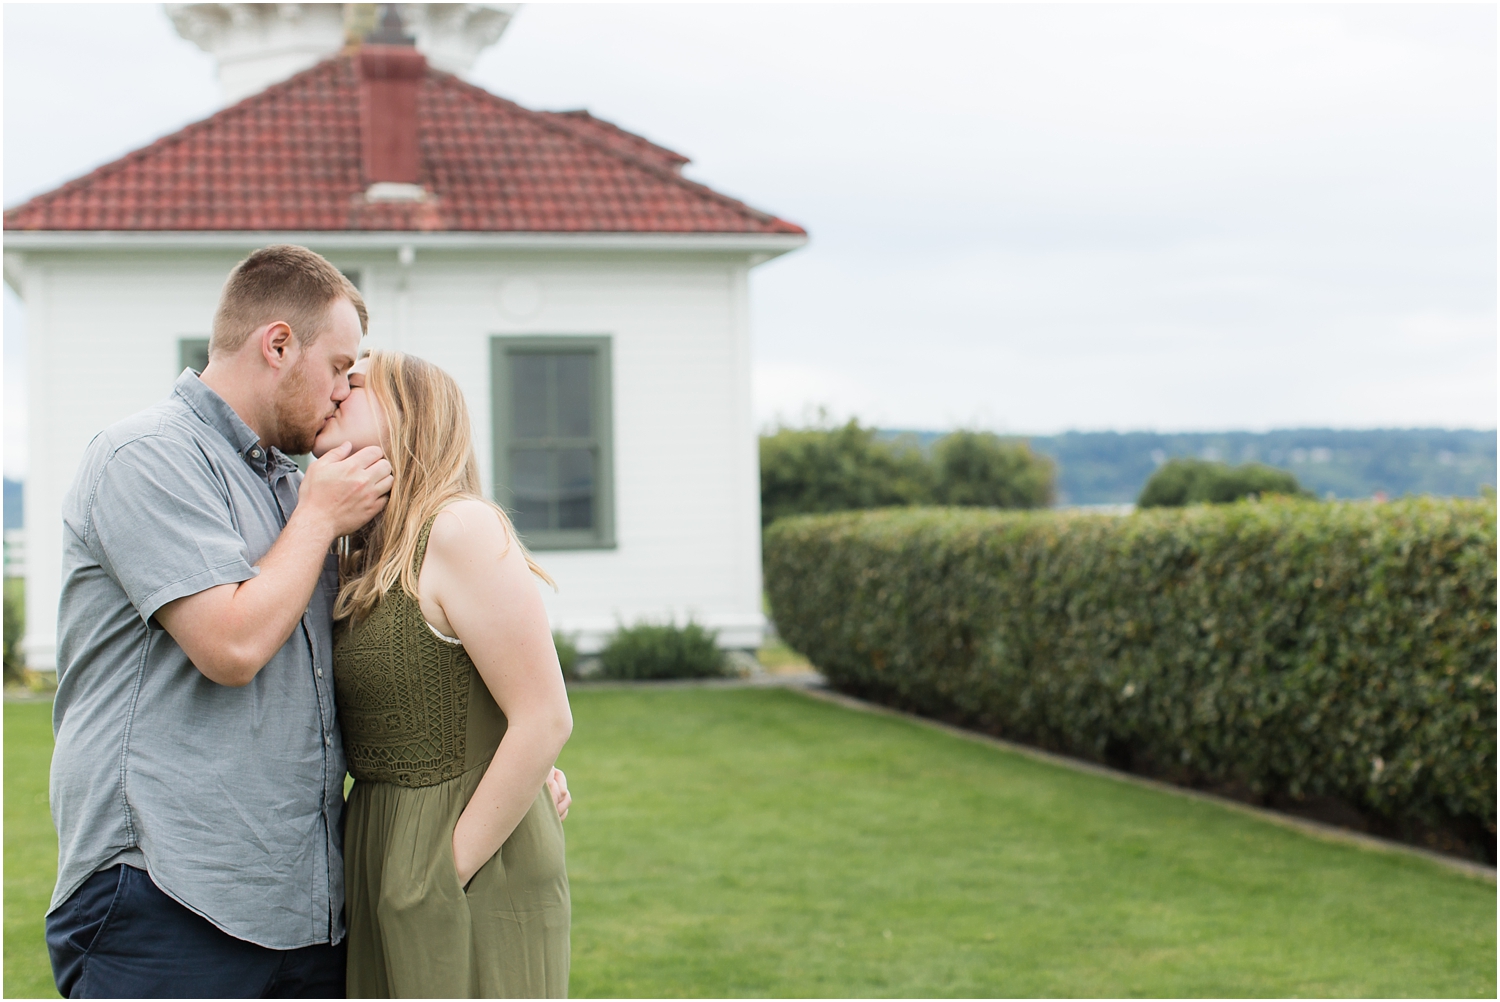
(281, 282)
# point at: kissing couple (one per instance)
(234, 636)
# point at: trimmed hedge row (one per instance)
(1287, 648)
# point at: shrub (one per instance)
(805, 470)
(648, 650)
(1283, 648)
(567, 653)
(980, 469)
(1194, 481)
(15, 626)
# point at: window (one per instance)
(192, 353)
(550, 407)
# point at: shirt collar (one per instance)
(219, 416)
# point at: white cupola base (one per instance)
(259, 44)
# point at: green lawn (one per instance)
(756, 842)
(30, 849)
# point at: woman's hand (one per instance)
(561, 798)
(469, 857)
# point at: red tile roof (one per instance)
(288, 159)
(617, 138)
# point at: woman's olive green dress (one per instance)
(420, 727)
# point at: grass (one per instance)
(759, 843)
(755, 842)
(779, 659)
(30, 849)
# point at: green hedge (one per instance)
(1281, 648)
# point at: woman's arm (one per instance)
(557, 783)
(470, 591)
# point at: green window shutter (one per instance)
(192, 353)
(552, 413)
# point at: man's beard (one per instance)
(297, 423)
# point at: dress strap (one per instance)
(421, 554)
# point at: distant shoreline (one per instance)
(1110, 468)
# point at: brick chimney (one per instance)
(390, 71)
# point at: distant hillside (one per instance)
(1111, 467)
(14, 516)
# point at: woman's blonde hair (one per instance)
(431, 451)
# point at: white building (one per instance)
(589, 299)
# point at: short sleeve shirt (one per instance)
(232, 797)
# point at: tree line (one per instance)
(851, 467)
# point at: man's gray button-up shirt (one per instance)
(232, 798)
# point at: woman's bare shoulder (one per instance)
(467, 528)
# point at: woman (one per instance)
(453, 711)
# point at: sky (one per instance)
(1023, 218)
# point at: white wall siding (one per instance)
(102, 336)
(104, 329)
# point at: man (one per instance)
(197, 780)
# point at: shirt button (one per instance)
(328, 740)
(320, 673)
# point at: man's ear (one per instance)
(276, 345)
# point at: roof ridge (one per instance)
(575, 114)
(551, 121)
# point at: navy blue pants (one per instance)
(119, 936)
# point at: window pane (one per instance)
(192, 353)
(575, 384)
(575, 474)
(528, 394)
(552, 451)
(531, 488)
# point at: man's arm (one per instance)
(231, 631)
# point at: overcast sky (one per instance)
(1023, 218)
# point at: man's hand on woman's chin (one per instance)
(345, 490)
